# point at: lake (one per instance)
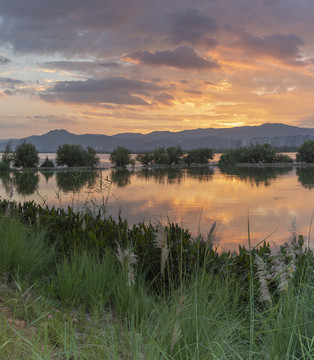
(273, 200)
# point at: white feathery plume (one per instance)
(128, 260)
(262, 277)
(161, 243)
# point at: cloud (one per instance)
(4, 60)
(68, 27)
(9, 86)
(53, 119)
(116, 90)
(9, 81)
(194, 27)
(282, 47)
(182, 58)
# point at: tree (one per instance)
(144, 158)
(160, 156)
(25, 156)
(7, 156)
(174, 154)
(75, 155)
(199, 156)
(47, 163)
(91, 157)
(306, 152)
(253, 154)
(120, 156)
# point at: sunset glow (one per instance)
(137, 66)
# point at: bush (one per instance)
(47, 163)
(25, 155)
(199, 156)
(174, 155)
(306, 152)
(144, 158)
(7, 156)
(4, 166)
(75, 155)
(254, 154)
(160, 156)
(121, 156)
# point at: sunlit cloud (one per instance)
(159, 65)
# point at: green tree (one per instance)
(120, 156)
(91, 157)
(306, 152)
(199, 156)
(25, 156)
(253, 154)
(7, 156)
(174, 154)
(144, 158)
(47, 163)
(75, 155)
(160, 156)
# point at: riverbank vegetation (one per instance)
(83, 286)
(252, 155)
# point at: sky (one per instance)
(114, 66)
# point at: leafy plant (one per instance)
(47, 163)
(120, 156)
(76, 155)
(306, 152)
(25, 156)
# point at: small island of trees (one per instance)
(74, 155)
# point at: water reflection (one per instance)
(175, 175)
(73, 181)
(256, 176)
(47, 174)
(26, 182)
(6, 181)
(192, 197)
(306, 177)
(122, 177)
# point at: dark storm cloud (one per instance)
(9, 81)
(4, 60)
(72, 26)
(194, 27)
(183, 58)
(277, 46)
(111, 90)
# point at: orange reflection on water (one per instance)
(194, 198)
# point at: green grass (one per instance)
(80, 304)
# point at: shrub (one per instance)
(160, 156)
(4, 166)
(121, 156)
(282, 158)
(47, 163)
(75, 155)
(199, 156)
(144, 158)
(174, 155)
(254, 154)
(7, 156)
(306, 152)
(25, 155)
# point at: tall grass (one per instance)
(23, 250)
(84, 304)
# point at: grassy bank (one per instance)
(83, 286)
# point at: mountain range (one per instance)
(187, 139)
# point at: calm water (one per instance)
(271, 198)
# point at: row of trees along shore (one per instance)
(26, 155)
